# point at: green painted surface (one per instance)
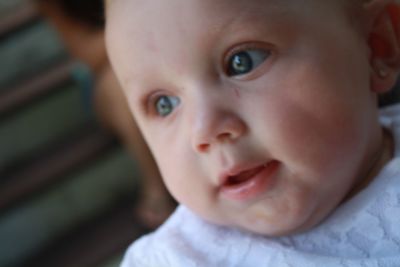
(9, 6)
(98, 187)
(41, 123)
(28, 52)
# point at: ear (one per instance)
(384, 42)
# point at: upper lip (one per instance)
(229, 174)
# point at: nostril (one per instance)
(224, 136)
(203, 147)
(214, 128)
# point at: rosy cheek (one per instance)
(299, 133)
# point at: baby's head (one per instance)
(261, 114)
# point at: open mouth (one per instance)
(250, 183)
(242, 176)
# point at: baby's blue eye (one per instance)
(164, 105)
(245, 61)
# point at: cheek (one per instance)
(188, 180)
(314, 130)
(168, 159)
(179, 170)
(312, 126)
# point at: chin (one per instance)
(272, 232)
(283, 227)
(267, 229)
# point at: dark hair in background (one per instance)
(89, 12)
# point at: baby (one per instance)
(262, 116)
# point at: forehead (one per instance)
(175, 27)
(173, 15)
(144, 12)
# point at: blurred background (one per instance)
(72, 163)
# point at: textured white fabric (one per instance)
(364, 232)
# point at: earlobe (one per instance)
(381, 69)
(384, 43)
(383, 77)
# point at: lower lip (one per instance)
(253, 187)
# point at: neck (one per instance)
(383, 155)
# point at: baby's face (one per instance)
(258, 113)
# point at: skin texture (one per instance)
(309, 107)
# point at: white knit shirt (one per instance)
(363, 232)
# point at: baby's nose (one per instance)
(214, 127)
